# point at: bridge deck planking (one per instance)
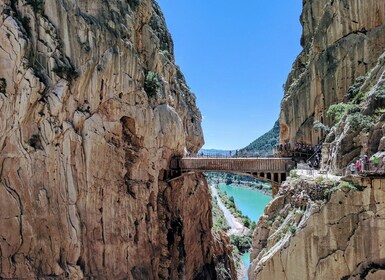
(274, 170)
(236, 164)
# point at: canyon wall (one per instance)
(322, 230)
(341, 41)
(323, 227)
(361, 128)
(92, 109)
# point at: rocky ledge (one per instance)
(322, 229)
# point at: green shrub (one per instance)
(337, 111)
(294, 174)
(320, 179)
(292, 229)
(243, 243)
(246, 221)
(320, 126)
(152, 83)
(166, 54)
(219, 220)
(379, 96)
(361, 96)
(380, 111)
(347, 186)
(359, 121)
(331, 190)
(354, 89)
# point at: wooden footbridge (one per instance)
(274, 170)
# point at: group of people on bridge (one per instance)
(375, 164)
(299, 148)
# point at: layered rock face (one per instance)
(302, 237)
(92, 108)
(341, 41)
(325, 228)
(361, 130)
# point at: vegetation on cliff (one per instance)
(219, 220)
(264, 145)
(339, 214)
(357, 124)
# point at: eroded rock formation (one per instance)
(325, 228)
(361, 130)
(301, 236)
(92, 108)
(341, 41)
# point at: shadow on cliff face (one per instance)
(131, 145)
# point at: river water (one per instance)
(252, 204)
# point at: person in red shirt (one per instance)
(358, 166)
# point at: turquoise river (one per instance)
(251, 202)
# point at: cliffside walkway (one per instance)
(274, 170)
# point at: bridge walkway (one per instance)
(274, 170)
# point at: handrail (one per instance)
(315, 153)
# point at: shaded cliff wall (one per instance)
(341, 41)
(302, 237)
(92, 108)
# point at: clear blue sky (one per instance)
(236, 56)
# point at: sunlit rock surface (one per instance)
(92, 108)
(341, 41)
(316, 229)
(302, 237)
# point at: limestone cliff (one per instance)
(92, 108)
(322, 230)
(325, 228)
(361, 128)
(341, 41)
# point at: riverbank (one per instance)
(240, 181)
(235, 225)
(236, 208)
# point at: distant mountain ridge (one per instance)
(261, 147)
(264, 145)
(216, 152)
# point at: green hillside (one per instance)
(263, 146)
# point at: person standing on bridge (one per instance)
(383, 163)
(375, 161)
(358, 166)
(352, 168)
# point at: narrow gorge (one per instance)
(94, 111)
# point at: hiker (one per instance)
(362, 163)
(383, 162)
(352, 168)
(358, 166)
(375, 161)
(365, 161)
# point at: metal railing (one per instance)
(369, 169)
